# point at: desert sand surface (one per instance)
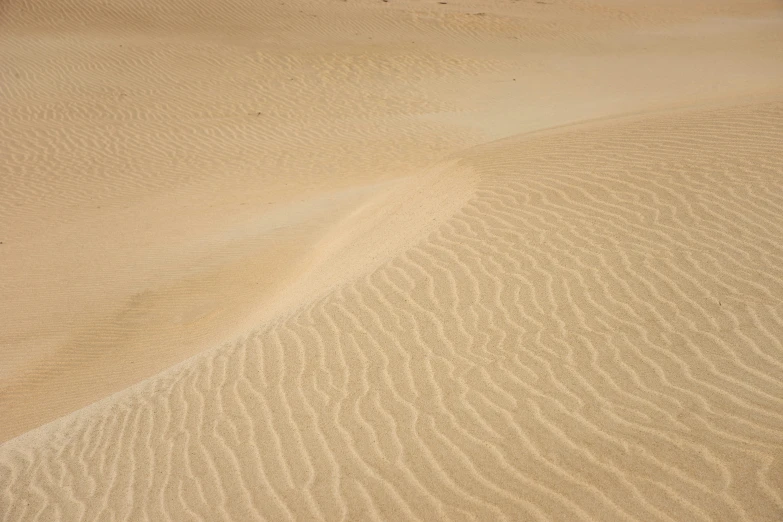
(391, 260)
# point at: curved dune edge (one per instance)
(312, 246)
(167, 167)
(592, 331)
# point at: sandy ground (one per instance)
(356, 260)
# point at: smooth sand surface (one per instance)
(404, 260)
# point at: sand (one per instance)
(366, 260)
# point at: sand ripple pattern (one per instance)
(596, 335)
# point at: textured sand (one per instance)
(355, 260)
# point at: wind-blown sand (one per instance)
(355, 260)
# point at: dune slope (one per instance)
(406, 260)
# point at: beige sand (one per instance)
(353, 260)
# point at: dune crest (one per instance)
(577, 342)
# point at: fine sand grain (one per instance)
(404, 260)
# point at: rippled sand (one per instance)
(357, 260)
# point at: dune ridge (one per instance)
(405, 260)
(594, 334)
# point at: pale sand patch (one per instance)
(412, 283)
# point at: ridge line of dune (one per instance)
(581, 334)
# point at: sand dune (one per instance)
(362, 260)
